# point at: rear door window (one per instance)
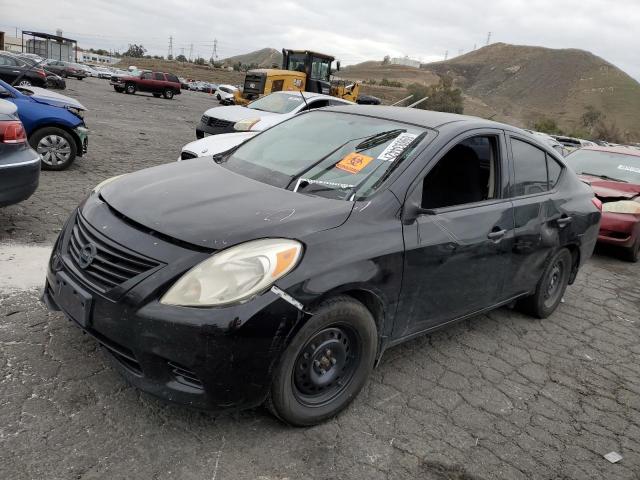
(530, 166)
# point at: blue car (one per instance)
(54, 124)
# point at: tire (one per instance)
(64, 75)
(340, 340)
(157, 95)
(130, 88)
(56, 147)
(24, 83)
(632, 254)
(168, 94)
(218, 97)
(550, 288)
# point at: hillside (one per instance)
(185, 69)
(265, 58)
(522, 84)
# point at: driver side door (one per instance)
(457, 247)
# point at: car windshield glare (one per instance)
(329, 154)
(278, 102)
(608, 165)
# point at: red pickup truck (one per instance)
(157, 83)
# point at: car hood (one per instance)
(235, 113)
(612, 189)
(42, 95)
(213, 144)
(205, 204)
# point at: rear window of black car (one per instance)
(329, 154)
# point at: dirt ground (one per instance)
(500, 396)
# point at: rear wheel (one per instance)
(551, 286)
(326, 364)
(168, 94)
(24, 83)
(130, 88)
(56, 147)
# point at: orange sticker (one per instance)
(354, 162)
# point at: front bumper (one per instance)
(620, 229)
(207, 358)
(19, 177)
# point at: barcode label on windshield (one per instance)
(629, 168)
(395, 148)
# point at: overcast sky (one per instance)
(350, 30)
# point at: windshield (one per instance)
(329, 154)
(278, 102)
(609, 165)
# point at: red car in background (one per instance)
(614, 175)
(157, 83)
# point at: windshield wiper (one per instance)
(604, 177)
(379, 139)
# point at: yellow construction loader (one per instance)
(302, 71)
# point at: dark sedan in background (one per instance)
(14, 70)
(19, 164)
(65, 69)
(614, 175)
(281, 270)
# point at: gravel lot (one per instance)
(501, 396)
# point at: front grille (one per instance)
(187, 155)
(254, 84)
(184, 375)
(111, 265)
(219, 123)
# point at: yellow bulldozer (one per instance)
(302, 70)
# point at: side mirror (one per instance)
(413, 210)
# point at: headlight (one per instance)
(245, 125)
(76, 111)
(235, 274)
(623, 206)
(104, 183)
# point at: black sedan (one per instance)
(15, 71)
(19, 163)
(281, 270)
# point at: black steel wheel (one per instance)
(551, 287)
(326, 364)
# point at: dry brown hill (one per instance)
(522, 84)
(265, 58)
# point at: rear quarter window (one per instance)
(172, 78)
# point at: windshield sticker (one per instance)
(629, 168)
(321, 182)
(354, 162)
(395, 148)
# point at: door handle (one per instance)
(564, 221)
(496, 234)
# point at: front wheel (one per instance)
(551, 286)
(326, 364)
(168, 94)
(56, 147)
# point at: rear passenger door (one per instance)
(540, 220)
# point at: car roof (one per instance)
(622, 150)
(423, 118)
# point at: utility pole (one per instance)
(488, 38)
(214, 52)
(446, 54)
(190, 51)
(170, 54)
